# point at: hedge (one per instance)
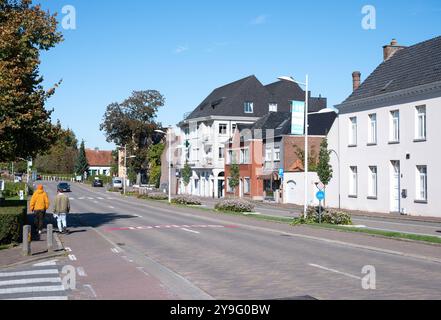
(13, 215)
(234, 205)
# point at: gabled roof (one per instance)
(283, 92)
(98, 158)
(229, 100)
(409, 67)
(280, 122)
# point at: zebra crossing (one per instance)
(38, 282)
(91, 198)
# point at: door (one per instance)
(290, 192)
(395, 186)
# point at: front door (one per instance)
(395, 186)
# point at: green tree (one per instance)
(324, 168)
(132, 123)
(186, 173)
(25, 127)
(81, 165)
(312, 158)
(61, 157)
(154, 155)
(234, 176)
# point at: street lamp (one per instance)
(125, 168)
(169, 159)
(339, 178)
(306, 84)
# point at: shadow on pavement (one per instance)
(94, 220)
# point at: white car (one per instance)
(117, 183)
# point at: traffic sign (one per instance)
(320, 186)
(320, 195)
(281, 173)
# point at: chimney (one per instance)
(391, 49)
(356, 80)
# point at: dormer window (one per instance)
(273, 107)
(249, 107)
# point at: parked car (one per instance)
(63, 187)
(39, 177)
(98, 184)
(117, 183)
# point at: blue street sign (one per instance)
(320, 196)
(281, 173)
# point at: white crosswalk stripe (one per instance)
(42, 281)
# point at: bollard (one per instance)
(50, 238)
(27, 239)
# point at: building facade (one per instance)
(100, 162)
(385, 143)
(209, 127)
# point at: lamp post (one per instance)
(306, 84)
(169, 160)
(125, 167)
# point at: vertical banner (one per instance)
(298, 118)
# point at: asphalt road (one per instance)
(198, 257)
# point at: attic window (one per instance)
(387, 85)
(217, 102)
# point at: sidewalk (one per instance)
(299, 209)
(14, 257)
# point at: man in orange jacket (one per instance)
(39, 205)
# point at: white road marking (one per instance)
(127, 259)
(72, 257)
(71, 198)
(188, 230)
(88, 286)
(115, 250)
(81, 272)
(28, 273)
(90, 198)
(40, 299)
(111, 207)
(334, 271)
(68, 249)
(31, 289)
(99, 198)
(46, 264)
(29, 281)
(82, 198)
(143, 271)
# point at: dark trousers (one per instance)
(39, 220)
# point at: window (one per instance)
(246, 186)
(249, 107)
(230, 157)
(373, 182)
(221, 155)
(273, 107)
(395, 126)
(277, 154)
(244, 156)
(372, 134)
(223, 129)
(353, 131)
(421, 183)
(353, 182)
(268, 155)
(420, 123)
(233, 128)
(229, 189)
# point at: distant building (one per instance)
(386, 142)
(100, 162)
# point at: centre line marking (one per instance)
(334, 271)
(188, 230)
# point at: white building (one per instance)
(386, 142)
(206, 130)
(100, 162)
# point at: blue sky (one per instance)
(185, 49)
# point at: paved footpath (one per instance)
(41, 281)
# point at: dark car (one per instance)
(98, 184)
(63, 187)
(39, 177)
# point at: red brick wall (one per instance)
(290, 151)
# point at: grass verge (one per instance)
(6, 246)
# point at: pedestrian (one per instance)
(61, 209)
(39, 205)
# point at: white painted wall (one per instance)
(421, 153)
(297, 196)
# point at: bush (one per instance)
(12, 217)
(186, 200)
(154, 196)
(235, 205)
(13, 189)
(328, 216)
